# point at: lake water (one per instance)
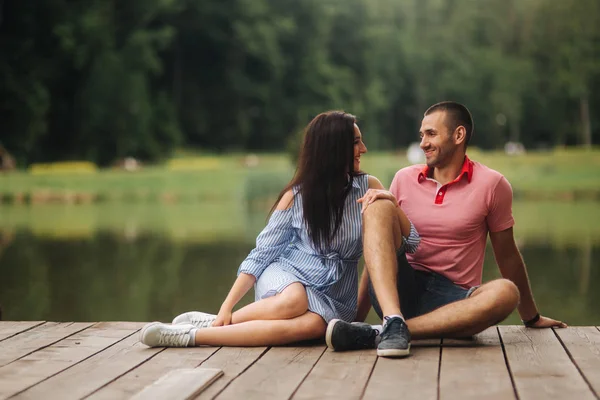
(149, 261)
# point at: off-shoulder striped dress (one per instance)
(284, 254)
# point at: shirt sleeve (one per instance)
(500, 215)
(412, 241)
(270, 243)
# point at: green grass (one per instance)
(560, 174)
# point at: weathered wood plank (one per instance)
(93, 373)
(165, 361)
(414, 377)
(233, 361)
(470, 369)
(41, 336)
(583, 343)
(276, 375)
(180, 384)
(341, 375)
(12, 328)
(42, 364)
(540, 367)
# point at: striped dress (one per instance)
(285, 254)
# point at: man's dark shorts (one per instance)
(421, 292)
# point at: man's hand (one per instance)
(375, 194)
(545, 322)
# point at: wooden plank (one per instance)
(583, 344)
(41, 336)
(233, 361)
(470, 369)
(97, 371)
(166, 360)
(45, 363)
(414, 377)
(540, 367)
(276, 375)
(180, 384)
(340, 375)
(12, 328)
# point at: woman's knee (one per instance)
(293, 301)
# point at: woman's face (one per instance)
(359, 147)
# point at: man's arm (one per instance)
(512, 267)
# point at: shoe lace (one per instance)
(179, 337)
(387, 329)
(203, 321)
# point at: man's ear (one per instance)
(460, 135)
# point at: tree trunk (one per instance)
(586, 123)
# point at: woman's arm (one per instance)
(240, 287)
(273, 239)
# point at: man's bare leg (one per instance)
(381, 237)
(488, 305)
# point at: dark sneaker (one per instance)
(395, 339)
(342, 336)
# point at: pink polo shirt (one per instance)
(454, 219)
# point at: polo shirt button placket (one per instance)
(440, 196)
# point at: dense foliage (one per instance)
(105, 79)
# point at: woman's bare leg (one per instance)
(291, 302)
(264, 333)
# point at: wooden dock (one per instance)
(50, 360)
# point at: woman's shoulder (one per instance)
(374, 183)
(287, 200)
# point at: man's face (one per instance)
(436, 141)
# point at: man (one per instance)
(454, 203)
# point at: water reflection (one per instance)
(109, 277)
(150, 262)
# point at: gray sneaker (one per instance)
(157, 334)
(342, 336)
(196, 318)
(395, 339)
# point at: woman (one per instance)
(304, 266)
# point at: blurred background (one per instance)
(142, 142)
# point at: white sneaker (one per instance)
(157, 334)
(196, 318)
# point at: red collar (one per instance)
(467, 169)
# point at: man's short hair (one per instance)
(456, 115)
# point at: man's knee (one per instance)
(379, 209)
(503, 296)
(380, 222)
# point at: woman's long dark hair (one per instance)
(324, 174)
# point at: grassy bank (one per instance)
(560, 174)
(560, 223)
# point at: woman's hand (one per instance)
(223, 317)
(376, 194)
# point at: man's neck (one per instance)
(448, 173)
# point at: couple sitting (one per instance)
(304, 266)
